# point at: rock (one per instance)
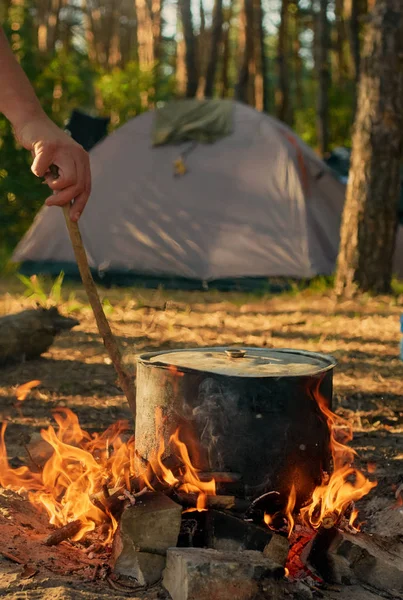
(145, 532)
(301, 591)
(206, 574)
(145, 567)
(277, 549)
(39, 450)
(272, 589)
(374, 561)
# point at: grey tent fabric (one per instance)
(256, 203)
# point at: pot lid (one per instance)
(244, 362)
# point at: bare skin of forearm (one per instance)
(18, 101)
(48, 144)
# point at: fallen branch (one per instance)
(95, 573)
(64, 533)
(12, 557)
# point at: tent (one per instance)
(252, 202)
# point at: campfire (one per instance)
(89, 484)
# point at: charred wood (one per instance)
(219, 502)
(64, 533)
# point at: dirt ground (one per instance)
(362, 335)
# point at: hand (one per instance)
(50, 145)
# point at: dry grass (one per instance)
(363, 335)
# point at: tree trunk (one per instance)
(180, 65)
(155, 8)
(369, 224)
(298, 62)
(190, 48)
(340, 41)
(128, 33)
(245, 87)
(226, 53)
(144, 36)
(324, 78)
(202, 48)
(283, 92)
(261, 58)
(355, 36)
(216, 33)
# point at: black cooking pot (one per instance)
(247, 411)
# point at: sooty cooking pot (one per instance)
(248, 411)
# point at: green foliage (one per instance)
(35, 290)
(130, 91)
(66, 82)
(20, 192)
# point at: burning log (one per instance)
(227, 532)
(218, 502)
(320, 557)
(30, 333)
(64, 533)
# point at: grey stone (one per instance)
(201, 574)
(277, 549)
(374, 561)
(145, 567)
(145, 532)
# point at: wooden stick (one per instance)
(63, 533)
(125, 380)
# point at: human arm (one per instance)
(37, 133)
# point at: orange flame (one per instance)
(75, 472)
(23, 390)
(70, 486)
(287, 513)
(352, 519)
(346, 484)
(189, 477)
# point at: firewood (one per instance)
(30, 333)
(219, 502)
(319, 557)
(220, 476)
(63, 533)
